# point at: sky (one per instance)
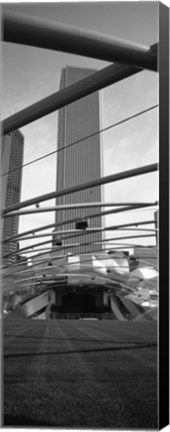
(30, 74)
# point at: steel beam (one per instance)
(90, 230)
(87, 231)
(138, 229)
(103, 78)
(20, 236)
(77, 206)
(117, 246)
(57, 257)
(65, 222)
(100, 181)
(32, 31)
(83, 232)
(49, 249)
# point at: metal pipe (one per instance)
(81, 232)
(91, 230)
(100, 181)
(53, 258)
(17, 237)
(20, 236)
(58, 257)
(138, 229)
(61, 265)
(103, 78)
(117, 246)
(66, 274)
(73, 235)
(85, 232)
(108, 212)
(49, 249)
(32, 269)
(32, 31)
(76, 206)
(87, 260)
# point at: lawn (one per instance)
(80, 374)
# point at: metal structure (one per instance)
(109, 179)
(59, 37)
(132, 59)
(73, 206)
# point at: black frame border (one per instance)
(163, 365)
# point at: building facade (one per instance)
(11, 159)
(79, 163)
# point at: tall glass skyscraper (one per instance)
(12, 159)
(81, 162)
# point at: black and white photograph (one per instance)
(84, 211)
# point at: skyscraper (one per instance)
(81, 162)
(12, 158)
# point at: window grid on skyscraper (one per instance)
(80, 163)
(12, 156)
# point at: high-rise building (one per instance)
(79, 163)
(12, 158)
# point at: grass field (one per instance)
(80, 374)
